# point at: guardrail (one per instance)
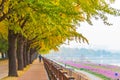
(58, 72)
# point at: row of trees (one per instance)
(32, 26)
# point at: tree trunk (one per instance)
(6, 55)
(20, 45)
(12, 53)
(27, 57)
(31, 55)
(24, 55)
(2, 55)
(27, 54)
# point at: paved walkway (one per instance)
(36, 72)
(3, 69)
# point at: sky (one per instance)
(100, 36)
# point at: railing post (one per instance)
(63, 74)
(79, 77)
(70, 72)
(71, 78)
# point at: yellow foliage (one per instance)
(42, 44)
(55, 2)
(3, 29)
(77, 8)
(62, 15)
(55, 49)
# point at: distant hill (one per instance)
(87, 54)
(83, 51)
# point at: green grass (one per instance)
(96, 74)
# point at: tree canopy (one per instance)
(52, 18)
(42, 21)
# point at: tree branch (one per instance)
(23, 24)
(3, 17)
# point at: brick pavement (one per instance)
(36, 72)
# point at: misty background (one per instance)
(86, 55)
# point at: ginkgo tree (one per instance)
(3, 47)
(3, 40)
(40, 22)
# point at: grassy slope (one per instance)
(96, 74)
